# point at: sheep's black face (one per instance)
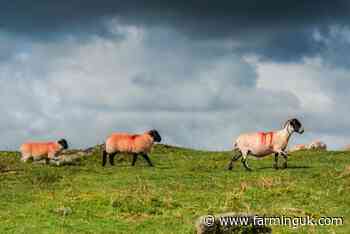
(63, 143)
(155, 135)
(297, 126)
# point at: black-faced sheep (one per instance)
(261, 144)
(135, 144)
(42, 150)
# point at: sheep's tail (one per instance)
(104, 156)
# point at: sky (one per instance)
(200, 72)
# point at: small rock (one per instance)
(64, 211)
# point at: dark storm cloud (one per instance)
(48, 15)
(279, 30)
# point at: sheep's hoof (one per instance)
(275, 166)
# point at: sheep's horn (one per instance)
(287, 122)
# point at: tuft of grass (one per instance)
(44, 178)
(183, 185)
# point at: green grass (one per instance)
(183, 185)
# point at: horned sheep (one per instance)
(261, 144)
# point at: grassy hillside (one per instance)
(183, 185)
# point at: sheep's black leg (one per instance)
(285, 156)
(233, 159)
(104, 157)
(134, 158)
(47, 161)
(275, 165)
(245, 162)
(145, 156)
(111, 158)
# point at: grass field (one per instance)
(183, 185)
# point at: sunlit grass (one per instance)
(183, 185)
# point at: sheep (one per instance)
(134, 144)
(298, 147)
(42, 150)
(261, 144)
(317, 145)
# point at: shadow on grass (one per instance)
(289, 167)
(136, 166)
(162, 167)
(299, 167)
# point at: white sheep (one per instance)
(317, 145)
(261, 144)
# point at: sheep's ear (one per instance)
(153, 132)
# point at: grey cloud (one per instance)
(83, 91)
(337, 48)
(198, 93)
(321, 91)
(276, 30)
(48, 15)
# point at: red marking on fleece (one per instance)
(263, 136)
(133, 136)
